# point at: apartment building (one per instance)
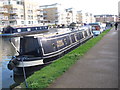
(19, 12)
(54, 14)
(15, 11)
(71, 15)
(3, 15)
(33, 15)
(39, 17)
(106, 18)
(88, 18)
(79, 17)
(85, 17)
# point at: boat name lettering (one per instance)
(60, 43)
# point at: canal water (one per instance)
(6, 51)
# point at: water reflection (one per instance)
(6, 52)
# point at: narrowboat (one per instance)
(22, 31)
(97, 28)
(39, 49)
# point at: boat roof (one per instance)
(59, 31)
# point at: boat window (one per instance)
(42, 27)
(30, 46)
(95, 27)
(32, 28)
(53, 44)
(78, 36)
(38, 28)
(28, 29)
(23, 29)
(73, 38)
(1, 29)
(89, 31)
(67, 40)
(81, 35)
(46, 27)
(18, 30)
(85, 33)
(49, 43)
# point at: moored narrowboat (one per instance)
(38, 49)
(22, 31)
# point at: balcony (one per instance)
(44, 11)
(3, 18)
(12, 12)
(7, 5)
(39, 18)
(45, 20)
(45, 16)
(39, 13)
(3, 10)
(13, 17)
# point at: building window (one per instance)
(18, 2)
(21, 16)
(30, 11)
(22, 22)
(9, 2)
(31, 17)
(15, 9)
(28, 22)
(41, 15)
(28, 16)
(31, 22)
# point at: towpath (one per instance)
(98, 68)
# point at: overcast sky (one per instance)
(92, 6)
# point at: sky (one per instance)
(95, 7)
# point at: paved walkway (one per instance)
(97, 69)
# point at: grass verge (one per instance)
(47, 75)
